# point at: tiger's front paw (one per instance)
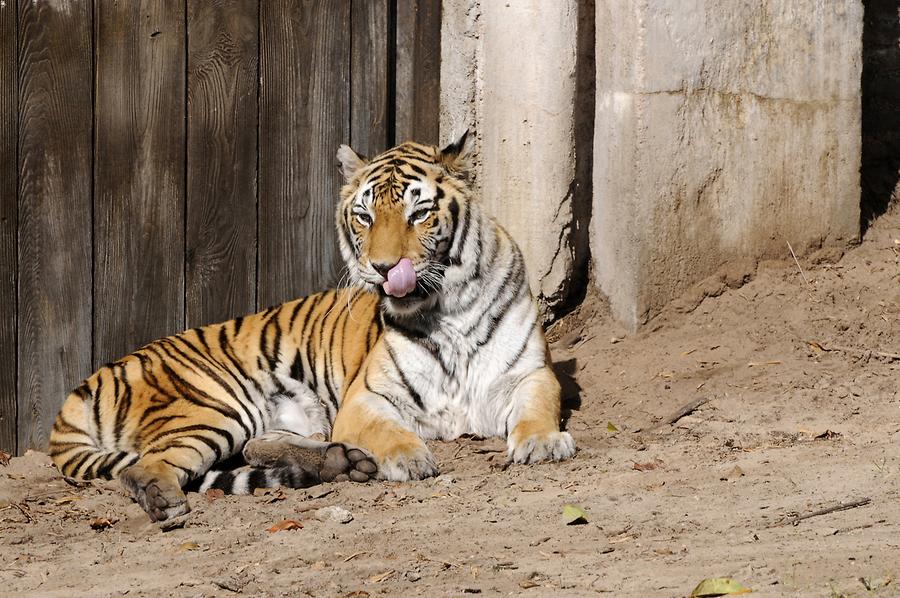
(410, 462)
(548, 446)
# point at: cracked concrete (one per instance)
(708, 132)
(723, 131)
(509, 72)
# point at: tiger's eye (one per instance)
(419, 216)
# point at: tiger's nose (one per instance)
(383, 268)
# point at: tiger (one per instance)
(435, 335)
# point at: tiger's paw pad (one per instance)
(415, 464)
(555, 446)
(344, 463)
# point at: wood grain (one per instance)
(9, 123)
(418, 71)
(304, 116)
(370, 107)
(220, 264)
(140, 174)
(54, 294)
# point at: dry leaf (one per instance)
(214, 494)
(719, 586)
(817, 347)
(527, 583)
(188, 546)
(649, 466)
(574, 515)
(4, 458)
(102, 523)
(610, 427)
(828, 435)
(287, 524)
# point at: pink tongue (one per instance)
(401, 279)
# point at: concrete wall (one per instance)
(723, 130)
(509, 72)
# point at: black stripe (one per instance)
(371, 390)
(74, 466)
(459, 244)
(190, 473)
(256, 479)
(63, 427)
(123, 406)
(413, 393)
(241, 381)
(98, 423)
(311, 349)
(165, 344)
(238, 323)
(195, 395)
(214, 446)
(417, 169)
(177, 445)
(225, 347)
(224, 481)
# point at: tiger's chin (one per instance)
(409, 306)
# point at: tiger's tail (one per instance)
(74, 446)
(248, 478)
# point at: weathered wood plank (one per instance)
(304, 92)
(9, 124)
(54, 292)
(370, 110)
(418, 71)
(220, 268)
(140, 174)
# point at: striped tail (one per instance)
(246, 479)
(75, 450)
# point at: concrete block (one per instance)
(509, 72)
(723, 130)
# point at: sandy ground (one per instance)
(803, 414)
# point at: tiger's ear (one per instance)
(349, 162)
(455, 157)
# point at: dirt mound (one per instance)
(796, 415)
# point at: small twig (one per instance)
(796, 261)
(862, 352)
(24, 511)
(844, 506)
(683, 411)
(845, 530)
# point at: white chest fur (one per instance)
(465, 377)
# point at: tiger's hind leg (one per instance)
(325, 461)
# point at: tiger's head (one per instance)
(403, 204)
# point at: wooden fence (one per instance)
(169, 164)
